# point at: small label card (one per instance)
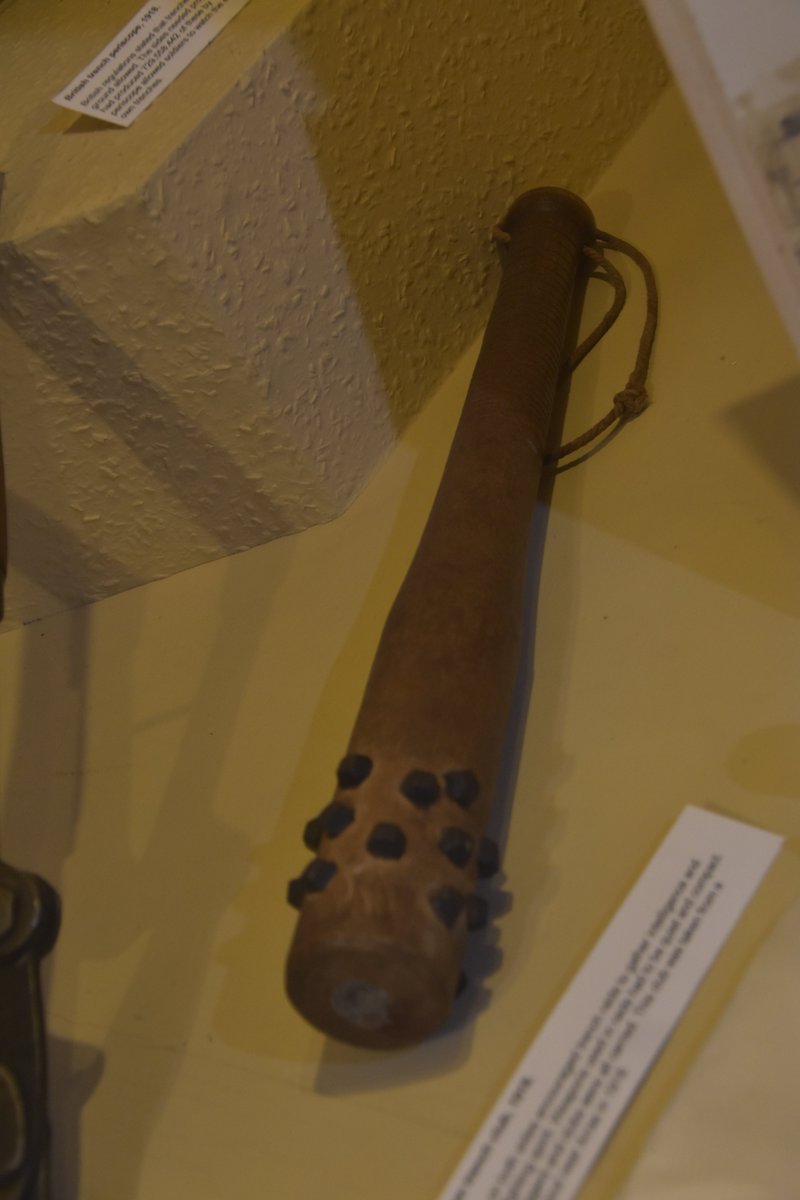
(573, 1085)
(152, 50)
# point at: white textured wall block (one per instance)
(214, 323)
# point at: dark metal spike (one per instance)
(318, 874)
(353, 770)
(336, 818)
(312, 834)
(488, 858)
(457, 845)
(421, 788)
(387, 841)
(462, 787)
(477, 912)
(447, 902)
(297, 892)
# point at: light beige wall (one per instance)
(216, 322)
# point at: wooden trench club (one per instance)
(389, 897)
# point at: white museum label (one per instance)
(154, 47)
(551, 1122)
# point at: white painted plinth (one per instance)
(214, 323)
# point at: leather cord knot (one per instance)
(633, 398)
(631, 401)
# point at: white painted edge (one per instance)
(747, 193)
